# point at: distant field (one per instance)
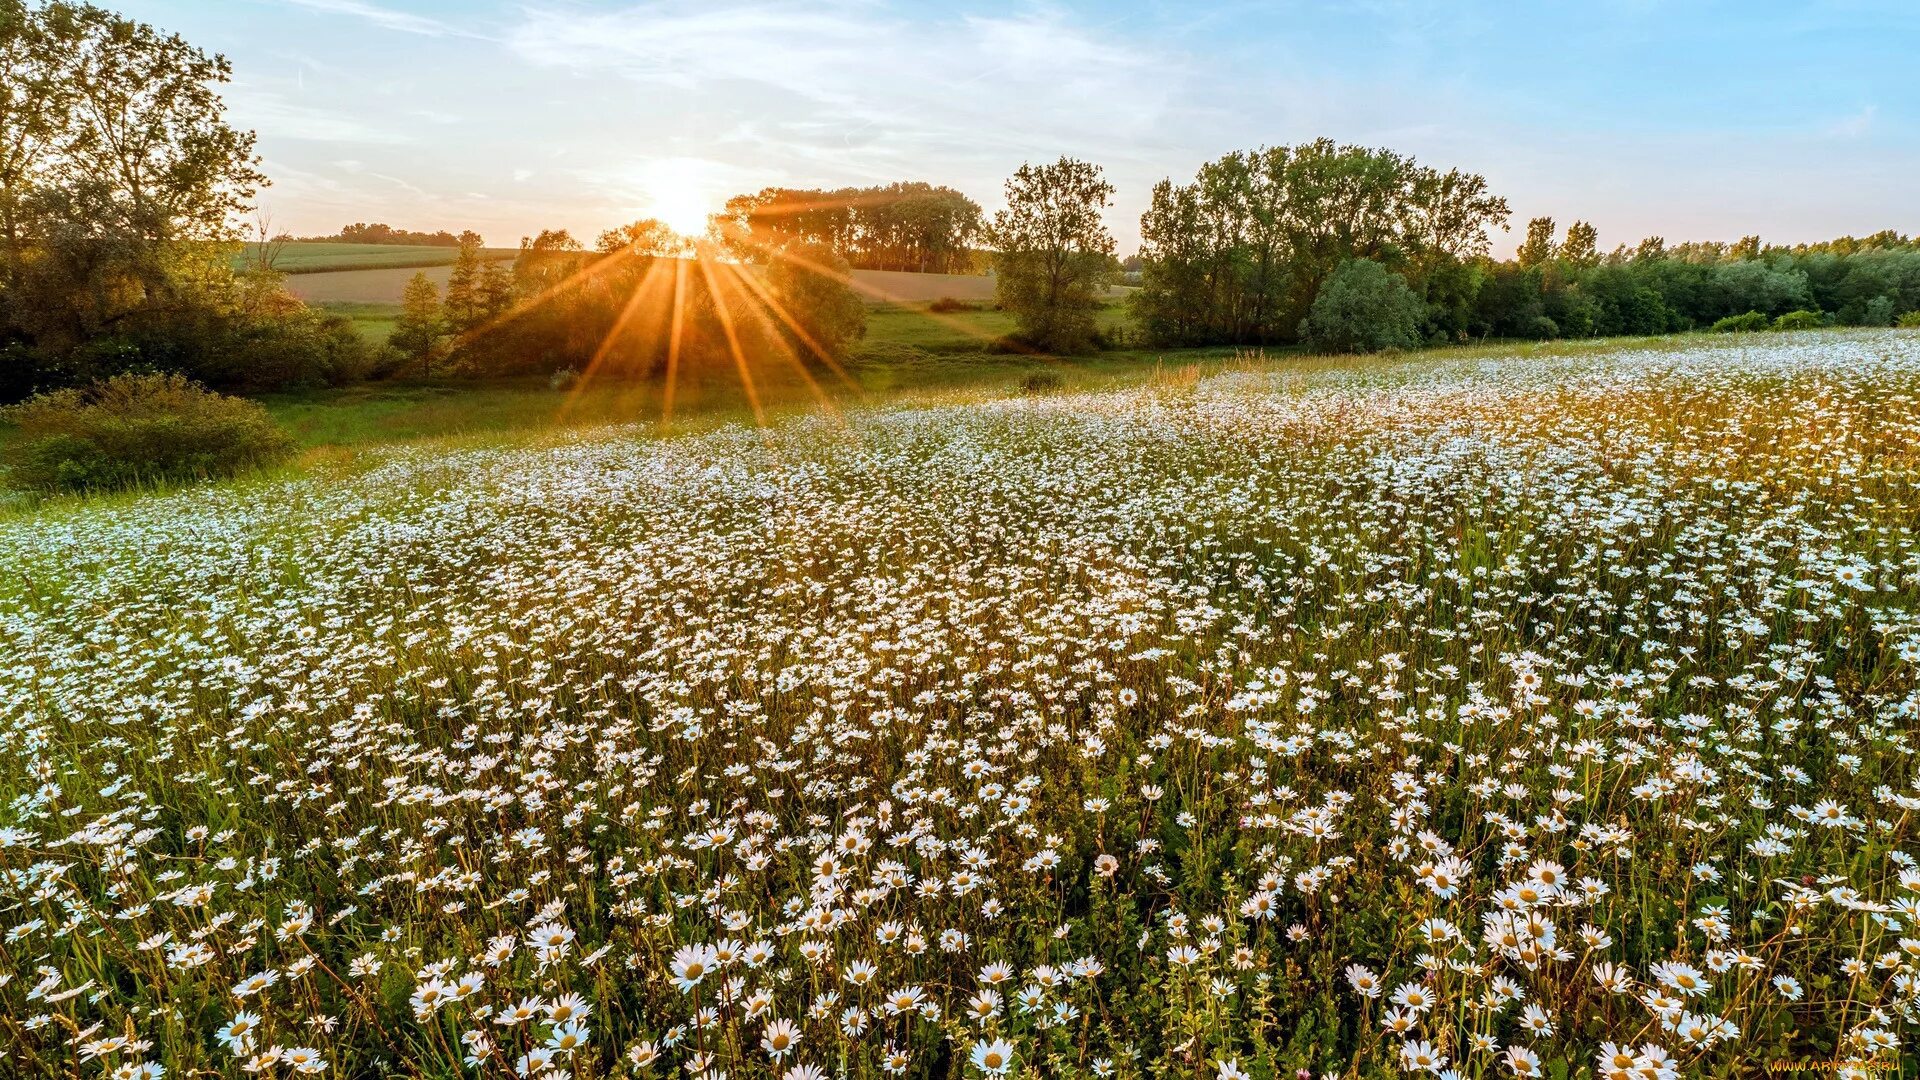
(382, 286)
(302, 259)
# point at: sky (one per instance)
(1796, 121)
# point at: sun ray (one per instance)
(733, 343)
(871, 289)
(595, 267)
(771, 303)
(760, 312)
(674, 332)
(651, 282)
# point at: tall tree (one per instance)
(463, 304)
(118, 170)
(420, 328)
(1054, 255)
(1538, 247)
(1582, 246)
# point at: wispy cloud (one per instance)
(385, 18)
(1855, 124)
(268, 111)
(852, 79)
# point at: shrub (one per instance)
(1742, 324)
(1363, 307)
(1041, 382)
(950, 303)
(1799, 320)
(1910, 321)
(133, 429)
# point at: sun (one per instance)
(682, 208)
(680, 192)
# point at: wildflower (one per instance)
(992, 1057)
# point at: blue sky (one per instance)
(1690, 120)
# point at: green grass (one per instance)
(401, 411)
(374, 321)
(978, 329)
(395, 412)
(306, 258)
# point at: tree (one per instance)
(419, 330)
(118, 170)
(823, 316)
(1055, 255)
(1538, 247)
(122, 196)
(647, 237)
(1582, 245)
(1237, 256)
(902, 226)
(463, 306)
(1364, 307)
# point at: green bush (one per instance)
(1041, 382)
(1363, 307)
(1909, 321)
(1743, 324)
(1799, 320)
(136, 429)
(951, 303)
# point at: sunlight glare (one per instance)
(680, 193)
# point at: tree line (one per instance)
(122, 185)
(1358, 248)
(903, 226)
(362, 233)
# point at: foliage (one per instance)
(1053, 254)
(902, 226)
(422, 327)
(648, 237)
(1800, 320)
(1237, 256)
(120, 181)
(811, 304)
(1740, 324)
(1041, 382)
(1363, 307)
(363, 233)
(136, 429)
(1910, 320)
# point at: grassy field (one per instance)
(386, 412)
(319, 258)
(896, 332)
(1523, 712)
(375, 321)
(380, 282)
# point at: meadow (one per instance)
(1526, 712)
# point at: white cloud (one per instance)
(850, 81)
(385, 18)
(270, 113)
